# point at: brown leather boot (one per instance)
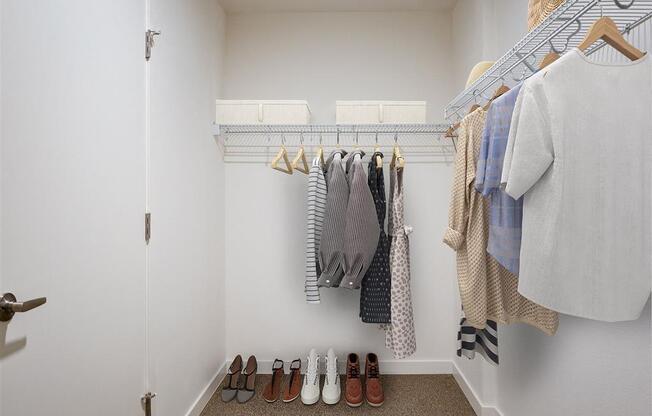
(353, 386)
(373, 387)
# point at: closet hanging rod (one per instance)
(562, 30)
(422, 143)
(312, 129)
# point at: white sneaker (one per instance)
(331, 392)
(310, 388)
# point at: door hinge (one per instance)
(149, 42)
(148, 226)
(146, 401)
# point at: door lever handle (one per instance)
(9, 306)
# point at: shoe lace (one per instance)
(311, 373)
(373, 371)
(331, 371)
(354, 372)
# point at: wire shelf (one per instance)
(420, 143)
(562, 30)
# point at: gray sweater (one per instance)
(361, 230)
(331, 247)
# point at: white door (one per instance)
(72, 205)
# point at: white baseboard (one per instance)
(480, 408)
(205, 396)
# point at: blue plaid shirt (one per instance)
(505, 213)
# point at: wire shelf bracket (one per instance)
(562, 30)
(259, 143)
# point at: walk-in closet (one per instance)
(325, 207)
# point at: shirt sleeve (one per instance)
(481, 172)
(459, 204)
(533, 149)
(509, 149)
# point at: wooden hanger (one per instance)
(300, 162)
(500, 91)
(320, 152)
(606, 29)
(301, 157)
(379, 159)
(553, 55)
(398, 160)
(320, 156)
(550, 57)
(282, 155)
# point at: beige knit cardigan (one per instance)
(487, 289)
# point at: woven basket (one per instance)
(538, 10)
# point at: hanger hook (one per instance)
(321, 138)
(357, 136)
(553, 48)
(624, 6)
(338, 137)
(301, 138)
(283, 139)
(376, 137)
(395, 138)
(575, 32)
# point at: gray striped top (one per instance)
(316, 209)
(331, 247)
(361, 232)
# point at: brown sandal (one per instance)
(230, 389)
(272, 390)
(293, 388)
(248, 388)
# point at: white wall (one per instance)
(467, 39)
(186, 199)
(587, 367)
(323, 57)
(483, 30)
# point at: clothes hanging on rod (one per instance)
(488, 290)
(471, 340)
(400, 335)
(505, 212)
(316, 209)
(361, 231)
(375, 292)
(331, 247)
(580, 152)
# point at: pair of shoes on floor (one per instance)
(240, 382)
(373, 387)
(272, 391)
(310, 390)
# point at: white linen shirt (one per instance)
(580, 150)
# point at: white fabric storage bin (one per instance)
(376, 112)
(262, 112)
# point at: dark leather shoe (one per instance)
(353, 386)
(373, 386)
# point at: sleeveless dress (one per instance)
(375, 294)
(400, 338)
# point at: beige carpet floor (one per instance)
(418, 395)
